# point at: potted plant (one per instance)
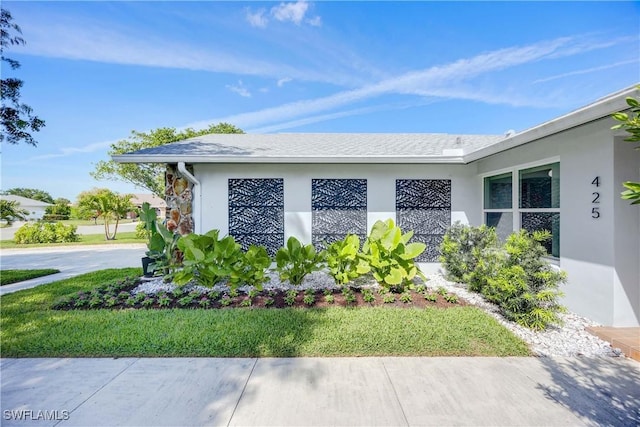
(162, 244)
(149, 218)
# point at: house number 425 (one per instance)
(595, 199)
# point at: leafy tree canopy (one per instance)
(18, 120)
(631, 123)
(149, 176)
(61, 207)
(30, 193)
(62, 201)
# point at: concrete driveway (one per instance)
(70, 260)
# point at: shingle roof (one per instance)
(318, 147)
(152, 199)
(24, 201)
(366, 147)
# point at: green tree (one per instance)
(10, 210)
(62, 201)
(61, 208)
(18, 120)
(30, 193)
(149, 176)
(108, 205)
(631, 123)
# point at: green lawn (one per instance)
(30, 328)
(100, 221)
(88, 239)
(12, 276)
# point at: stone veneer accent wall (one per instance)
(179, 198)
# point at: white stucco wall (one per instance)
(381, 198)
(599, 255)
(626, 285)
(35, 212)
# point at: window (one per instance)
(538, 207)
(498, 193)
(256, 212)
(339, 207)
(540, 203)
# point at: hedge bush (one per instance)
(45, 232)
(514, 276)
(54, 217)
(141, 231)
(462, 247)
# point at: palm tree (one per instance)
(108, 205)
(10, 211)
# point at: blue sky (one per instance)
(95, 71)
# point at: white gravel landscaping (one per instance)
(570, 339)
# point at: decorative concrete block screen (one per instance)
(339, 207)
(424, 206)
(550, 221)
(256, 212)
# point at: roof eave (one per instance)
(137, 158)
(598, 110)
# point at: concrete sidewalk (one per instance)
(385, 391)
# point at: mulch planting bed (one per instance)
(121, 296)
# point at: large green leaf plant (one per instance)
(390, 257)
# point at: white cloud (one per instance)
(586, 71)
(256, 19)
(444, 81)
(239, 89)
(316, 21)
(453, 80)
(293, 12)
(100, 44)
(340, 114)
(284, 80)
(284, 12)
(68, 151)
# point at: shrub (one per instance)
(290, 297)
(461, 248)
(390, 256)
(514, 276)
(44, 232)
(451, 298)
(141, 231)
(251, 268)
(343, 261)
(526, 286)
(368, 296)
(295, 261)
(431, 297)
(207, 260)
(54, 217)
(488, 263)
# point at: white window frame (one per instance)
(515, 193)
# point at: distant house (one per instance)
(36, 208)
(563, 176)
(154, 201)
